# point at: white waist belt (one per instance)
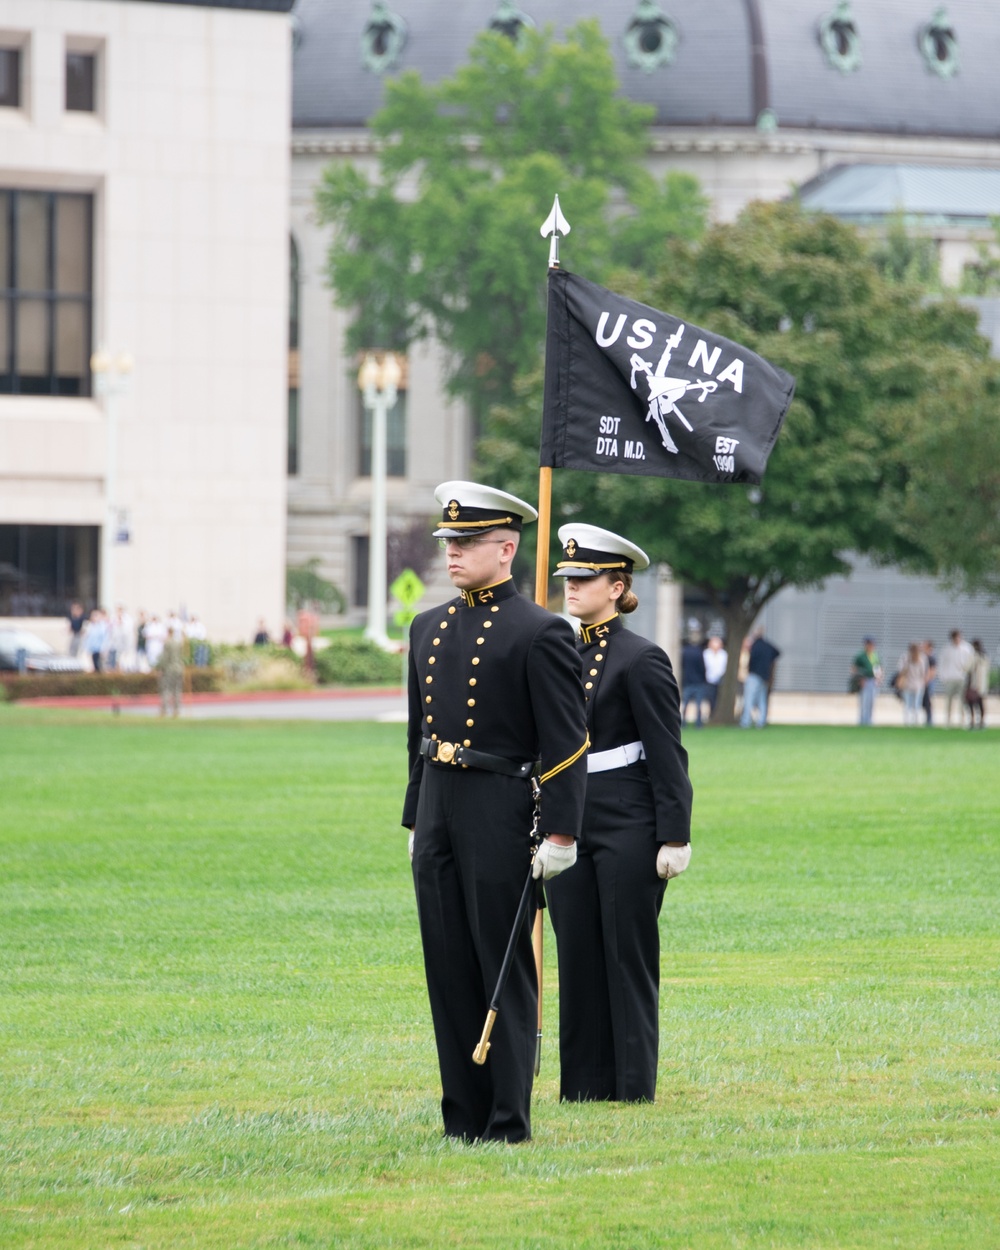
(617, 757)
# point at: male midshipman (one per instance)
(494, 695)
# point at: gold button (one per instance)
(451, 611)
(589, 686)
(432, 660)
(434, 737)
(428, 679)
(593, 672)
(604, 642)
(494, 608)
(472, 703)
(480, 641)
(437, 642)
(430, 720)
(487, 624)
(598, 657)
(444, 624)
(467, 743)
(470, 723)
(472, 681)
(476, 660)
(429, 699)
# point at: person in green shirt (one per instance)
(867, 670)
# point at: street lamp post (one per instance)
(378, 380)
(112, 376)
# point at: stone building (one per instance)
(144, 192)
(754, 97)
(158, 163)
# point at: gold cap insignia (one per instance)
(453, 510)
(571, 548)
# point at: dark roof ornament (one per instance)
(511, 21)
(938, 44)
(383, 39)
(839, 38)
(651, 38)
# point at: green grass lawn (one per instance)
(214, 1032)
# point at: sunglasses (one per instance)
(468, 541)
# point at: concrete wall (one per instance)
(188, 162)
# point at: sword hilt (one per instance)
(479, 1054)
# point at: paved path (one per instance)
(372, 705)
(786, 708)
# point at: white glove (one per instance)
(411, 846)
(551, 859)
(672, 860)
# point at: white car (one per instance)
(39, 657)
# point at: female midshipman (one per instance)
(636, 832)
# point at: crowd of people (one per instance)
(959, 674)
(117, 642)
(704, 664)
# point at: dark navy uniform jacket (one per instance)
(632, 696)
(493, 671)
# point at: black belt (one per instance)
(452, 753)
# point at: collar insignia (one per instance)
(601, 630)
(485, 596)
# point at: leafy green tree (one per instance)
(444, 240)
(903, 257)
(982, 275)
(951, 505)
(876, 364)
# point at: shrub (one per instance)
(271, 667)
(352, 661)
(125, 685)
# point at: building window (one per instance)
(292, 464)
(294, 284)
(510, 21)
(383, 39)
(938, 45)
(395, 436)
(651, 38)
(43, 568)
(359, 573)
(46, 304)
(840, 40)
(81, 82)
(10, 78)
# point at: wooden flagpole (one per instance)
(555, 225)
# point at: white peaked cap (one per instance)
(588, 550)
(471, 508)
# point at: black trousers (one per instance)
(471, 854)
(605, 912)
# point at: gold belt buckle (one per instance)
(446, 752)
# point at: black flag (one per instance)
(632, 390)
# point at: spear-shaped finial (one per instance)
(556, 225)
